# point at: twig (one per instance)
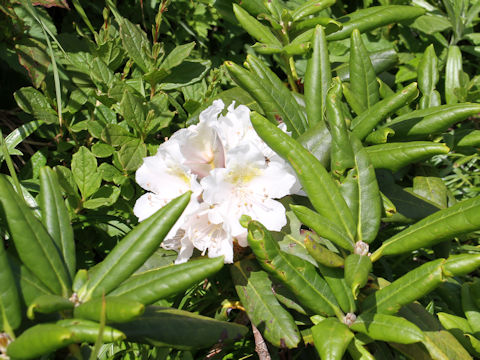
(260, 345)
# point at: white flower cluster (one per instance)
(230, 171)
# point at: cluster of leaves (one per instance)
(380, 260)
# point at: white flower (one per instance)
(230, 171)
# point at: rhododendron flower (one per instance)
(231, 173)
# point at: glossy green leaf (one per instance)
(133, 111)
(407, 288)
(387, 328)
(331, 339)
(431, 188)
(341, 150)
(330, 25)
(317, 183)
(320, 253)
(299, 275)
(88, 331)
(10, 311)
(285, 103)
(467, 138)
(376, 16)
(317, 140)
(133, 250)
(117, 309)
(136, 43)
(47, 304)
(35, 103)
(18, 135)
(267, 49)
(254, 289)
(84, 169)
(357, 268)
(39, 340)
(394, 156)
(317, 78)
(254, 27)
(379, 136)
(358, 351)
(428, 78)
(187, 73)
(460, 328)
(461, 218)
(34, 245)
(116, 135)
(363, 81)
(461, 264)
(323, 226)
(310, 7)
(299, 45)
(156, 284)
(363, 124)
(191, 331)
(55, 217)
(472, 311)
(131, 154)
(453, 72)
(335, 278)
(422, 123)
(276, 101)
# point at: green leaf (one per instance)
(407, 288)
(118, 309)
(254, 27)
(10, 311)
(84, 169)
(131, 154)
(47, 304)
(310, 7)
(297, 274)
(388, 328)
(187, 73)
(254, 290)
(371, 18)
(317, 183)
(155, 284)
(320, 253)
(133, 250)
(317, 140)
(34, 245)
(459, 328)
(461, 218)
(394, 156)
(177, 55)
(317, 79)
(33, 56)
(39, 340)
(363, 124)
(453, 71)
(18, 135)
(35, 103)
(431, 188)
(116, 135)
(55, 217)
(343, 293)
(431, 24)
(357, 268)
(428, 78)
(363, 81)
(101, 74)
(107, 195)
(167, 327)
(88, 331)
(425, 122)
(276, 101)
(136, 43)
(133, 111)
(472, 311)
(331, 338)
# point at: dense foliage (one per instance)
(306, 174)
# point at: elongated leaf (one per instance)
(10, 311)
(34, 245)
(254, 289)
(133, 111)
(431, 188)
(277, 102)
(299, 275)
(388, 328)
(357, 268)
(18, 135)
(408, 288)
(39, 340)
(472, 311)
(363, 124)
(55, 217)
(428, 78)
(335, 278)
(453, 72)
(320, 253)
(35, 103)
(133, 250)
(461, 264)
(317, 183)
(369, 200)
(156, 284)
(180, 329)
(84, 169)
(317, 140)
(460, 328)
(368, 19)
(394, 156)
(317, 79)
(88, 331)
(47, 304)
(254, 27)
(117, 309)
(461, 218)
(310, 7)
(381, 60)
(286, 103)
(422, 123)
(331, 338)
(136, 43)
(341, 150)
(363, 81)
